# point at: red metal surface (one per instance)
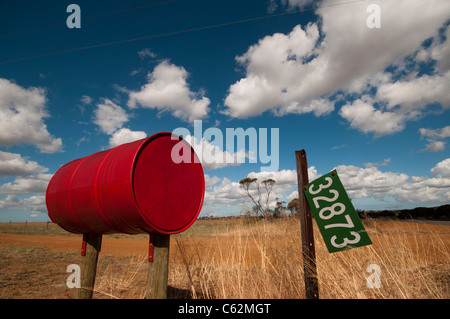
(132, 188)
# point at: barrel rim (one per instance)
(135, 158)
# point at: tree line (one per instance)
(261, 199)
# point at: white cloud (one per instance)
(212, 156)
(371, 182)
(26, 185)
(275, 75)
(290, 4)
(435, 146)
(86, 100)
(398, 102)
(385, 162)
(226, 193)
(125, 135)
(14, 164)
(440, 52)
(301, 72)
(438, 133)
(146, 53)
(34, 203)
(433, 136)
(442, 169)
(109, 116)
(285, 176)
(359, 182)
(363, 116)
(210, 181)
(167, 90)
(26, 192)
(21, 117)
(416, 93)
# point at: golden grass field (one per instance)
(232, 258)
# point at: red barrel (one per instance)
(133, 188)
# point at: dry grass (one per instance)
(245, 258)
(263, 260)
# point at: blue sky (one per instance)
(371, 102)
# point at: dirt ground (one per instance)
(110, 246)
(35, 266)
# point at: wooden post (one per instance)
(90, 249)
(158, 271)
(309, 253)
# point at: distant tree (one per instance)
(279, 208)
(245, 185)
(267, 185)
(293, 206)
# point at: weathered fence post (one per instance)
(90, 249)
(308, 249)
(158, 271)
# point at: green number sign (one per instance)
(338, 222)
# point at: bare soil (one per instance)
(34, 265)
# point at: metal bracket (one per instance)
(83, 245)
(150, 248)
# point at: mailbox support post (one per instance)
(90, 249)
(158, 271)
(309, 253)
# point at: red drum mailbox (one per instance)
(132, 188)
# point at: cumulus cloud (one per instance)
(111, 117)
(416, 93)
(146, 53)
(22, 113)
(125, 135)
(289, 4)
(363, 116)
(26, 185)
(229, 193)
(305, 69)
(435, 146)
(433, 137)
(25, 192)
(276, 75)
(27, 189)
(12, 164)
(359, 182)
(437, 133)
(226, 193)
(35, 203)
(285, 176)
(86, 100)
(213, 156)
(442, 169)
(167, 90)
(372, 182)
